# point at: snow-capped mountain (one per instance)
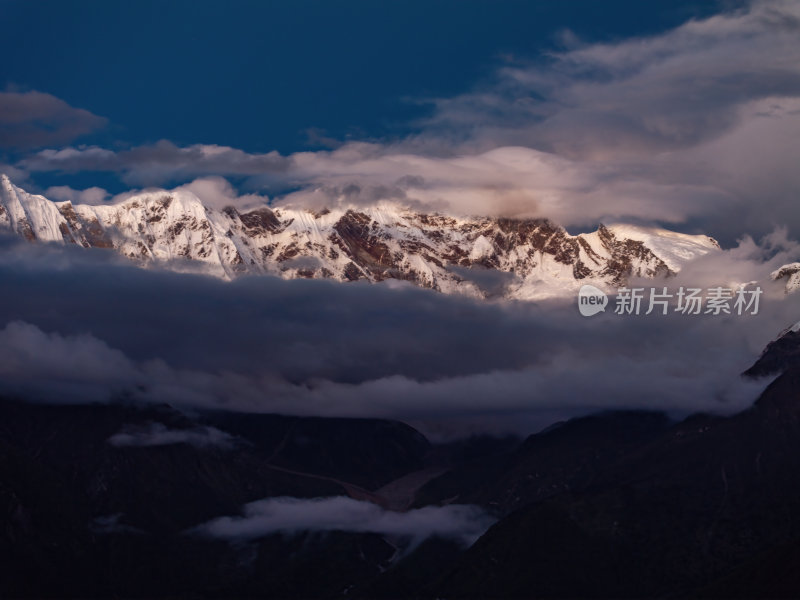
(791, 273)
(532, 258)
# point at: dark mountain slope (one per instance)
(80, 516)
(668, 518)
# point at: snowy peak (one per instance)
(791, 273)
(534, 257)
(33, 217)
(674, 248)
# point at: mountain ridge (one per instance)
(531, 258)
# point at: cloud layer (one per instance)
(82, 327)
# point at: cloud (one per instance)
(157, 164)
(92, 195)
(35, 119)
(157, 434)
(491, 282)
(669, 128)
(509, 181)
(644, 94)
(694, 127)
(694, 124)
(110, 524)
(463, 523)
(20, 176)
(506, 181)
(50, 365)
(448, 365)
(216, 192)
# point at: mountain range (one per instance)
(476, 256)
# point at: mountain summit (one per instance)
(476, 256)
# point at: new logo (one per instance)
(591, 300)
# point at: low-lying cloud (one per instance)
(158, 434)
(112, 525)
(285, 515)
(83, 326)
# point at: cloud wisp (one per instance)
(285, 515)
(158, 434)
(157, 163)
(92, 195)
(34, 119)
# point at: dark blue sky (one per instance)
(258, 75)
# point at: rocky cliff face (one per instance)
(532, 258)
